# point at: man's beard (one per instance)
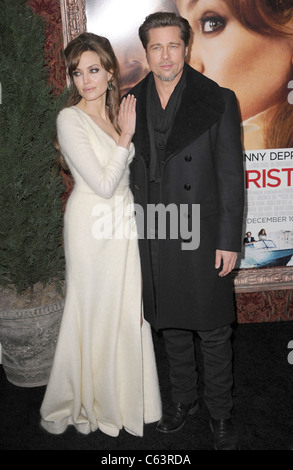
(168, 79)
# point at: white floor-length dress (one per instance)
(104, 372)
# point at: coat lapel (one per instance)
(201, 107)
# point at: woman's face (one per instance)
(254, 66)
(90, 78)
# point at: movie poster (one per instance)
(248, 47)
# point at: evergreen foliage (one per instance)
(30, 186)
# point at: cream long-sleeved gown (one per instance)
(104, 373)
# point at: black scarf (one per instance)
(160, 122)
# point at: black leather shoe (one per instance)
(175, 416)
(225, 437)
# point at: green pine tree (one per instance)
(30, 187)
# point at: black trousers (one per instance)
(216, 352)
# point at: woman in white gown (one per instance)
(104, 373)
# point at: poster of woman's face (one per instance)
(247, 46)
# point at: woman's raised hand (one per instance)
(127, 120)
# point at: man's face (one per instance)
(166, 53)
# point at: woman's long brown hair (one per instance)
(101, 45)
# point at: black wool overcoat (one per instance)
(204, 166)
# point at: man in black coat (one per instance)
(188, 168)
(248, 239)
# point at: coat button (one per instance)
(137, 186)
(187, 187)
(188, 158)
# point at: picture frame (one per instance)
(73, 14)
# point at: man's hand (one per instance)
(229, 259)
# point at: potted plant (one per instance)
(31, 252)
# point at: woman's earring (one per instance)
(110, 86)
